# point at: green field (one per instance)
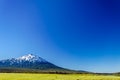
(18, 76)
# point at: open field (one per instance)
(21, 76)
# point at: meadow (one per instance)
(21, 76)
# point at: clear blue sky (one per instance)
(75, 34)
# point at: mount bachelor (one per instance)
(31, 64)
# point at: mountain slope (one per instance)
(31, 63)
(28, 61)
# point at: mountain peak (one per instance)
(31, 57)
(28, 61)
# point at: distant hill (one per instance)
(32, 64)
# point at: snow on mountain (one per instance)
(28, 61)
(28, 57)
(31, 58)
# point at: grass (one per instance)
(21, 76)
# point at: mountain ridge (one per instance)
(32, 63)
(27, 61)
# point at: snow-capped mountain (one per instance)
(31, 58)
(28, 61)
(32, 64)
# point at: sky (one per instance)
(74, 34)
